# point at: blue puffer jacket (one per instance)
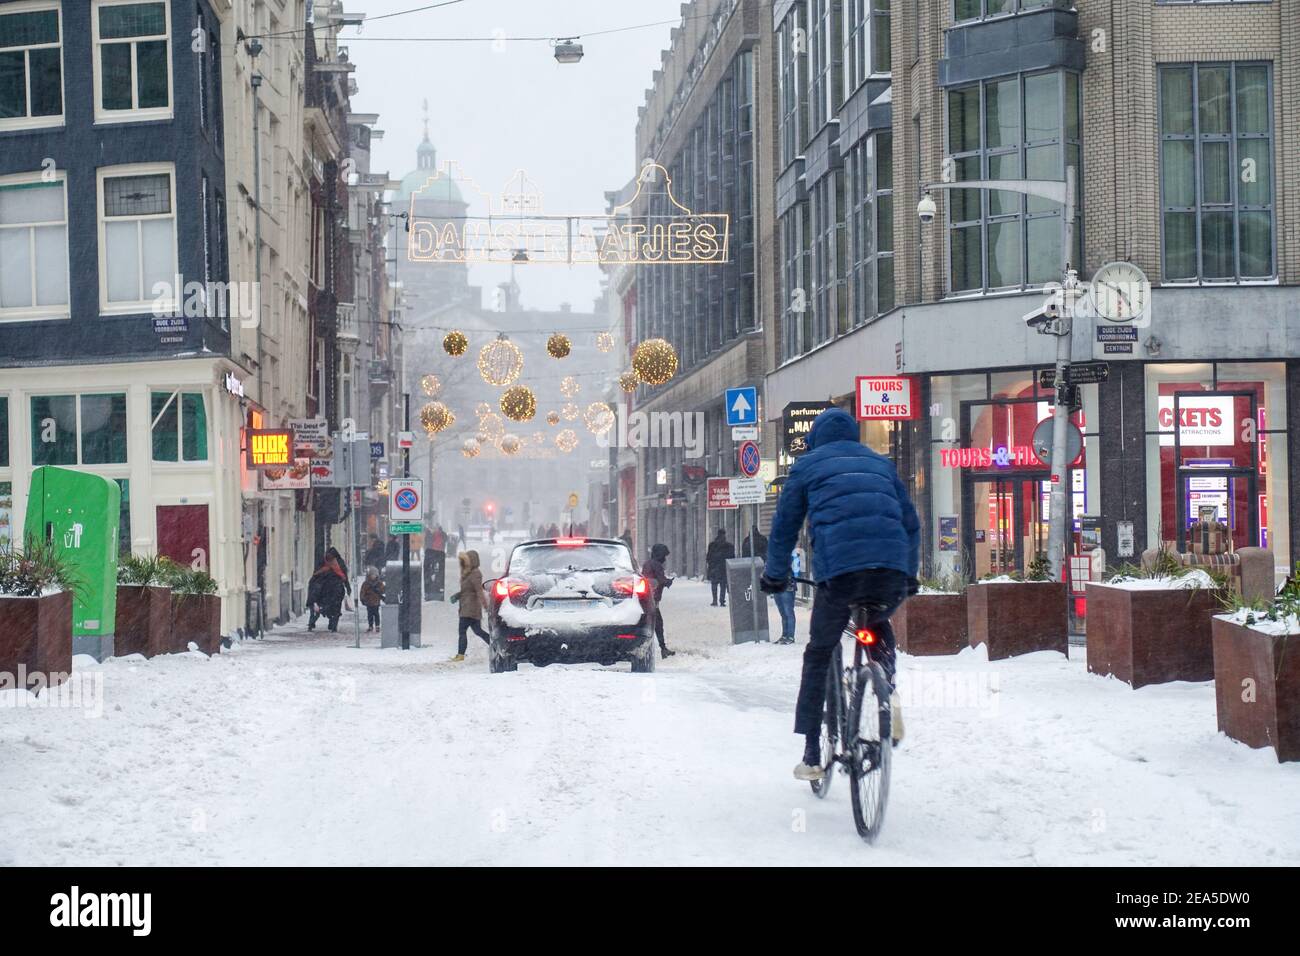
(858, 510)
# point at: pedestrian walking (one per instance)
(470, 599)
(715, 566)
(656, 572)
(784, 600)
(326, 591)
(755, 544)
(374, 556)
(372, 595)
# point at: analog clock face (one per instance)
(1121, 292)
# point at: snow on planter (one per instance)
(1017, 617)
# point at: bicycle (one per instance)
(866, 721)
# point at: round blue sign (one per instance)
(406, 500)
(750, 459)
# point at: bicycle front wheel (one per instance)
(870, 750)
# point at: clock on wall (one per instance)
(1121, 292)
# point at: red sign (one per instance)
(891, 398)
(719, 497)
(269, 447)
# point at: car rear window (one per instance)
(541, 558)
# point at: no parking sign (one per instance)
(405, 505)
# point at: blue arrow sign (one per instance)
(742, 406)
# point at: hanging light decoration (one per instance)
(431, 385)
(654, 361)
(510, 444)
(482, 408)
(471, 448)
(518, 403)
(558, 346)
(569, 386)
(500, 361)
(483, 438)
(599, 418)
(539, 438)
(570, 411)
(567, 440)
(552, 418)
(435, 417)
(455, 344)
(604, 342)
(628, 381)
(492, 426)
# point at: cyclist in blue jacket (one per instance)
(866, 545)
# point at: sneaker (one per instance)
(458, 658)
(805, 771)
(895, 718)
(786, 640)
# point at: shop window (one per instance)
(54, 430)
(6, 513)
(4, 433)
(90, 430)
(103, 429)
(31, 67)
(124, 516)
(1216, 175)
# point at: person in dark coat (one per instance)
(866, 544)
(325, 593)
(656, 573)
(393, 552)
(715, 566)
(374, 556)
(372, 595)
(470, 599)
(759, 543)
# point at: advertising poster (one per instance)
(948, 533)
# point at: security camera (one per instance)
(1043, 318)
(926, 209)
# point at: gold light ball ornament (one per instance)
(552, 418)
(599, 418)
(492, 426)
(569, 386)
(628, 381)
(435, 417)
(655, 361)
(604, 342)
(518, 403)
(539, 438)
(471, 448)
(569, 412)
(510, 444)
(567, 440)
(455, 344)
(500, 362)
(558, 346)
(431, 385)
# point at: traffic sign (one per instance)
(1081, 373)
(744, 433)
(719, 495)
(376, 450)
(405, 505)
(1042, 441)
(750, 459)
(748, 491)
(742, 406)
(406, 439)
(573, 500)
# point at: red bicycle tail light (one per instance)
(865, 637)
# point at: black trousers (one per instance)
(659, 626)
(467, 624)
(881, 590)
(372, 616)
(719, 591)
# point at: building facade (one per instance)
(1179, 120)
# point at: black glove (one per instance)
(913, 586)
(772, 585)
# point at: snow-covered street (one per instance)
(302, 750)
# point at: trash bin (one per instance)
(390, 616)
(748, 604)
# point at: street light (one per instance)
(1051, 321)
(568, 50)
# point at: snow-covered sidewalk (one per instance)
(300, 749)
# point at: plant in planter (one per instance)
(1151, 624)
(1257, 670)
(37, 588)
(1017, 614)
(933, 621)
(143, 622)
(196, 608)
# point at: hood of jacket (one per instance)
(659, 552)
(468, 560)
(834, 424)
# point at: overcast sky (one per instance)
(497, 107)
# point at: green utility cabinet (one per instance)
(79, 512)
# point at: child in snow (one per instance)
(372, 595)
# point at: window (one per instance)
(1019, 127)
(4, 433)
(31, 66)
(793, 67)
(208, 70)
(33, 247)
(869, 165)
(829, 265)
(825, 77)
(180, 426)
(796, 257)
(866, 41)
(982, 9)
(78, 430)
(137, 239)
(1216, 173)
(132, 60)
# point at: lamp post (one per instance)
(1056, 318)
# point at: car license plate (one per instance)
(572, 605)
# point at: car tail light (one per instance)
(633, 584)
(641, 588)
(865, 637)
(509, 588)
(628, 637)
(500, 589)
(570, 542)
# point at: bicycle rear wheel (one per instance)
(830, 726)
(870, 750)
